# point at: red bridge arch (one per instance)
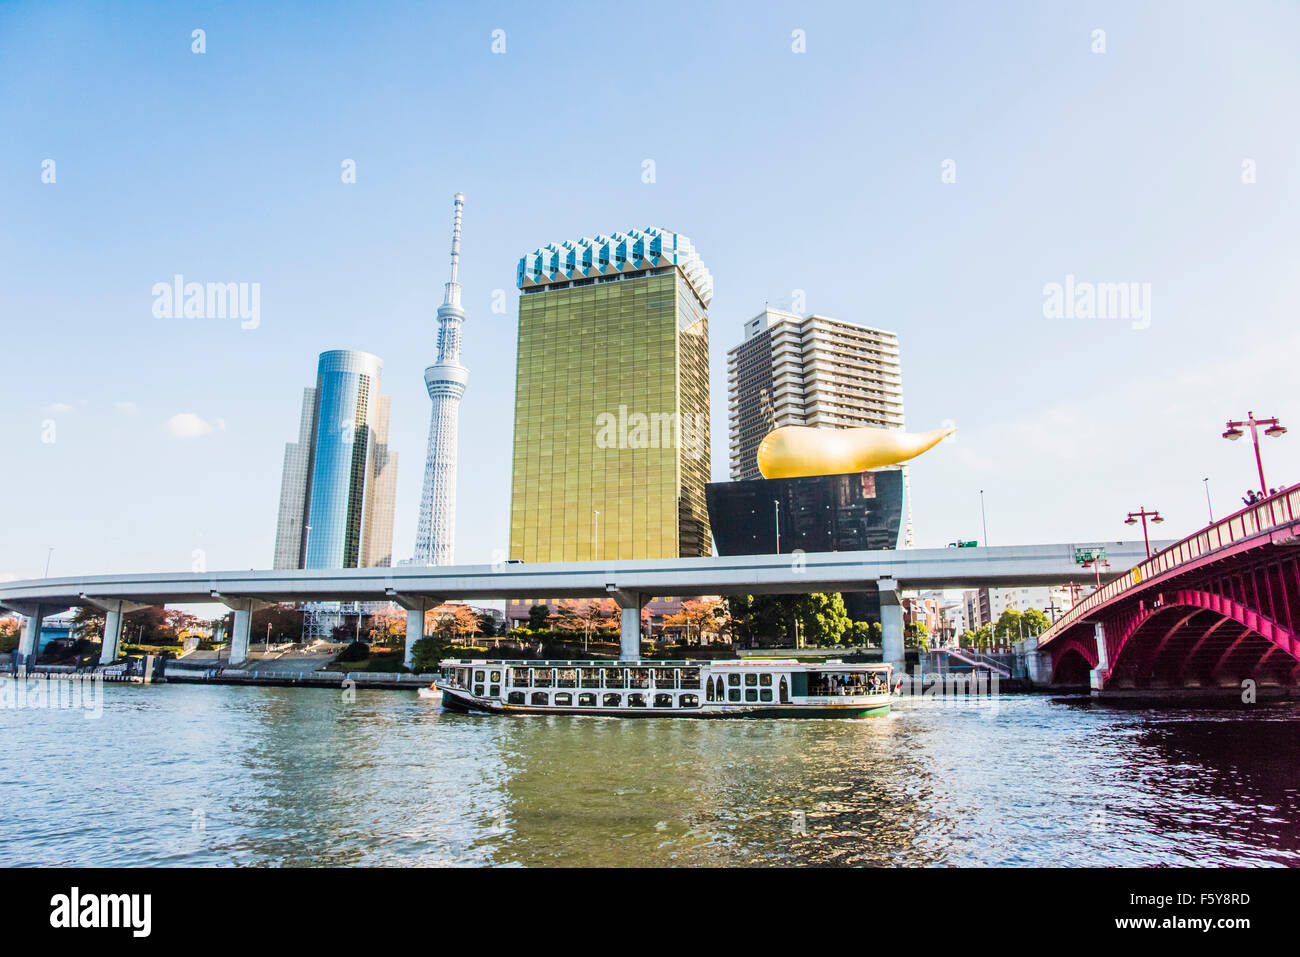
(1217, 607)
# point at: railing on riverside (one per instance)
(1272, 512)
(977, 659)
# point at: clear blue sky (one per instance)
(818, 171)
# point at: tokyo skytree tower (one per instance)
(446, 380)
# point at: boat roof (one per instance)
(663, 663)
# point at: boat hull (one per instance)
(461, 702)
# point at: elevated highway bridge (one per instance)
(630, 583)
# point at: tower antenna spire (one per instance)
(452, 296)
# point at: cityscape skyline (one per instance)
(1118, 415)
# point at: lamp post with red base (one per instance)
(1094, 558)
(1273, 429)
(1143, 514)
(1097, 564)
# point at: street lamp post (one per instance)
(48, 555)
(1274, 429)
(776, 522)
(1142, 513)
(1096, 564)
(984, 519)
(1208, 507)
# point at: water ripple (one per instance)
(188, 775)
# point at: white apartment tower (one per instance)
(435, 537)
(810, 370)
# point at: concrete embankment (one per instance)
(283, 677)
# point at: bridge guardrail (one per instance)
(1274, 511)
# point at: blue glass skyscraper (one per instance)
(340, 479)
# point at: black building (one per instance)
(856, 511)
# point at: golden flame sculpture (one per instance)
(797, 450)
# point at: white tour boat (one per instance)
(745, 687)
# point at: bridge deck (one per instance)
(750, 574)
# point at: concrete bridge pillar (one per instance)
(415, 606)
(1098, 676)
(1038, 664)
(891, 625)
(414, 632)
(112, 636)
(29, 642)
(630, 604)
(239, 634)
(114, 610)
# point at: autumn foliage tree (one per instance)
(588, 615)
(698, 617)
(387, 628)
(451, 622)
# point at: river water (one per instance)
(185, 774)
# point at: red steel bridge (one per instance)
(1218, 607)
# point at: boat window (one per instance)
(478, 677)
(519, 677)
(665, 678)
(495, 691)
(563, 698)
(636, 701)
(568, 678)
(765, 694)
(614, 678)
(733, 680)
(515, 697)
(751, 694)
(639, 677)
(689, 701)
(708, 689)
(733, 694)
(663, 701)
(751, 680)
(613, 700)
(478, 690)
(586, 701)
(496, 676)
(589, 678)
(765, 680)
(542, 677)
(540, 697)
(833, 683)
(785, 691)
(690, 678)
